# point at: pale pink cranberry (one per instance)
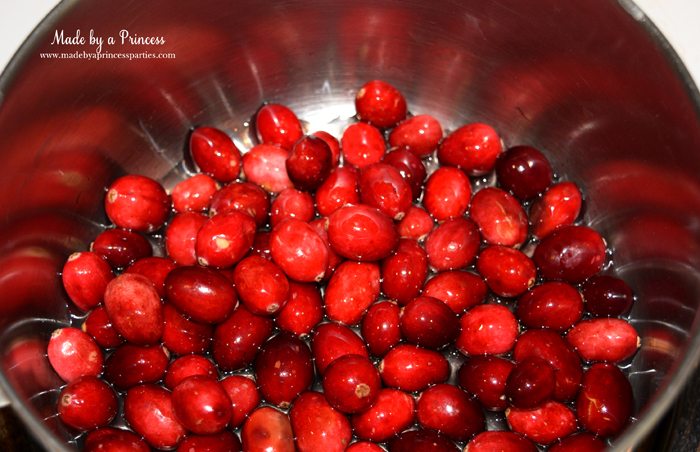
(135, 309)
(419, 134)
(194, 193)
(508, 272)
(338, 190)
(182, 336)
(87, 403)
(453, 244)
(381, 327)
(413, 368)
(333, 340)
(201, 405)
(543, 424)
(380, 103)
(204, 294)
(489, 329)
(215, 154)
(559, 206)
(309, 163)
(261, 285)
(129, 365)
(149, 411)
(333, 145)
(244, 197)
(410, 167)
(291, 203)
(362, 145)
(74, 354)
(459, 290)
(244, 395)
(382, 186)
(556, 305)
(303, 310)
(524, 171)
(404, 272)
(611, 340)
(224, 239)
(571, 253)
(390, 414)
(351, 290)
(317, 425)
(447, 193)
(416, 224)
(283, 369)
(362, 233)
(181, 237)
(500, 217)
(277, 124)
(85, 277)
(473, 148)
(266, 166)
(98, 325)
(138, 203)
(120, 247)
(299, 250)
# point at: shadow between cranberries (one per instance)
(390, 288)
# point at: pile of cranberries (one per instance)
(395, 290)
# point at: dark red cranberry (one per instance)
(201, 405)
(473, 148)
(267, 429)
(138, 203)
(224, 441)
(331, 341)
(419, 134)
(303, 310)
(238, 338)
(485, 377)
(224, 239)
(266, 166)
(524, 171)
(284, 369)
(186, 366)
(453, 244)
(87, 403)
(449, 410)
(380, 327)
(605, 403)
(130, 365)
(459, 290)
(215, 153)
(317, 425)
(107, 439)
(351, 290)
(135, 309)
(571, 253)
(380, 103)
(382, 186)
(244, 197)
(120, 247)
(100, 328)
(559, 206)
(333, 145)
(338, 190)
(580, 442)
(261, 285)
(392, 412)
(429, 322)
(500, 217)
(277, 124)
(606, 295)
(488, 329)
(351, 383)
(604, 339)
(362, 145)
(508, 272)
(544, 424)
(416, 225)
(261, 245)
(149, 411)
(422, 440)
(404, 272)
(202, 293)
(291, 203)
(499, 441)
(181, 237)
(244, 395)
(413, 368)
(182, 335)
(309, 163)
(447, 193)
(411, 168)
(530, 383)
(194, 194)
(85, 277)
(299, 250)
(362, 233)
(556, 305)
(155, 269)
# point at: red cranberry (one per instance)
(100, 328)
(508, 272)
(130, 365)
(392, 412)
(429, 322)
(362, 145)
(486, 378)
(291, 203)
(606, 295)
(611, 340)
(108, 439)
(362, 233)
(499, 441)
(87, 403)
(380, 103)
(261, 285)
(556, 305)
(266, 166)
(238, 338)
(120, 247)
(224, 441)
(224, 239)
(244, 396)
(85, 277)
(267, 429)
(419, 134)
(333, 145)
(559, 206)
(186, 366)
(605, 403)
(364, 446)
(524, 171)
(138, 203)
(202, 293)
(149, 411)
(580, 442)
(422, 440)
(243, 197)
(284, 369)
(309, 163)
(457, 289)
(571, 253)
(411, 168)
(215, 153)
(338, 190)
(413, 368)
(487, 329)
(299, 250)
(351, 290)
(194, 194)
(332, 341)
(447, 193)
(453, 244)
(473, 148)
(382, 186)
(277, 124)
(449, 410)
(500, 217)
(182, 335)
(181, 237)
(155, 269)
(416, 225)
(530, 383)
(261, 245)
(135, 309)
(317, 425)
(351, 383)
(303, 310)
(380, 327)
(404, 272)
(201, 405)
(320, 225)
(543, 424)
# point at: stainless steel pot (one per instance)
(590, 82)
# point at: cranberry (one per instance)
(351, 383)
(194, 194)
(447, 193)
(120, 247)
(85, 277)
(224, 239)
(556, 305)
(155, 269)
(201, 405)
(453, 244)
(130, 365)
(543, 424)
(333, 145)
(266, 166)
(605, 403)
(261, 285)
(291, 203)
(422, 440)
(362, 145)
(351, 290)
(338, 190)
(303, 310)
(606, 295)
(284, 369)
(392, 412)
(611, 340)
(309, 163)
(87, 403)
(499, 441)
(317, 425)
(267, 429)
(182, 335)
(332, 341)
(382, 186)
(362, 233)
(243, 197)
(488, 329)
(508, 272)
(411, 168)
(559, 206)
(202, 293)
(380, 327)
(500, 217)
(404, 272)
(419, 134)
(486, 378)
(524, 171)
(580, 442)
(261, 245)
(74, 354)
(100, 328)
(429, 322)
(149, 411)
(459, 290)
(224, 441)
(244, 396)
(299, 250)
(320, 225)
(181, 237)
(473, 148)
(364, 446)
(379, 103)
(215, 153)
(449, 410)
(108, 439)
(277, 124)
(186, 366)
(413, 368)
(138, 203)
(571, 253)
(530, 383)
(416, 225)
(238, 338)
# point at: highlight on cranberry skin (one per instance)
(261, 285)
(419, 134)
(85, 277)
(500, 217)
(266, 166)
(215, 154)
(194, 193)
(137, 202)
(382, 186)
(474, 148)
(447, 193)
(412, 368)
(559, 206)
(380, 104)
(277, 124)
(362, 233)
(508, 272)
(299, 251)
(543, 424)
(487, 329)
(362, 145)
(605, 403)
